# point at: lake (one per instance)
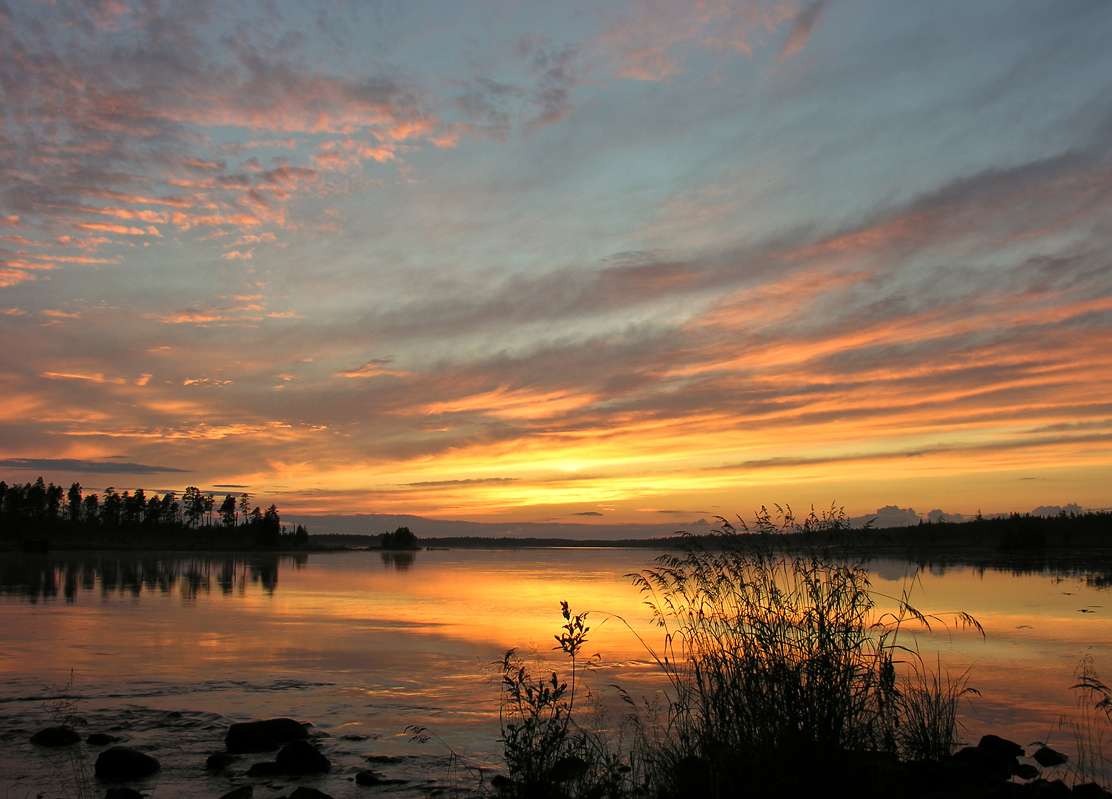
(167, 649)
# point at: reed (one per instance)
(1091, 728)
(928, 712)
(780, 666)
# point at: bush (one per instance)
(548, 755)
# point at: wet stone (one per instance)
(263, 736)
(1000, 747)
(123, 764)
(219, 761)
(1048, 758)
(56, 736)
(267, 768)
(301, 757)
(102, 739)
(371, 778)
(242, 792)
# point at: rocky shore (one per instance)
(123, 772)
(995, 767)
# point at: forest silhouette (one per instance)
(38, 514)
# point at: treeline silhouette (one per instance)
(39, 512)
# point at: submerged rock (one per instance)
(263, 736)
(372, 778)
(219, 761)
(56, 736)
(301, 757)
(102, 739)
(267, 768)
(123, 764)
(1048, 758)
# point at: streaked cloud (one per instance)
(524, 264)
(51, 465)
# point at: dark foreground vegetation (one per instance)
(40, 516)
(783, 680)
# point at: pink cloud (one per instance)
(648, 40)
(804, 23)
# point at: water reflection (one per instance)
(1094, 569)
(37, 577)
(400, 561)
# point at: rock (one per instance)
(122, 793)
(985, 765)
(102, 739)
(267, 768)
(1026, 771)
(242, 792)
(1048, 758)
(262, 736)
(219, 761)
(123, 764)
(303, 792)
(1000, 747)
(56, 736)
(301, 757)
(370, 778)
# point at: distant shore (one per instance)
(1018, 539)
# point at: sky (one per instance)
(621, 262)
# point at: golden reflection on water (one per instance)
(423, 632)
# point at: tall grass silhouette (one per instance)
(780, 666)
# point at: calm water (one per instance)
(166, 650)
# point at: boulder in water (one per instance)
(372, 778)
(102, 739)
(219, 761)
(1048, 758)
(267, 768)
(56, 736)
(267, 735)
(301, 757)
(123, 764)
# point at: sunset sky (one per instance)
(632, 261)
